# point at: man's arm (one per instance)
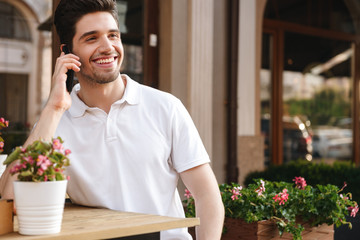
(59, 101)
(202, 184)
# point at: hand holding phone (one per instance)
(70, 73)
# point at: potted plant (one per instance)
(40, 189)
(3, 124)
(291, 207)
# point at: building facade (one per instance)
(239, 66)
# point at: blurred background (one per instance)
(267, 82)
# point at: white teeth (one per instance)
(102, 61)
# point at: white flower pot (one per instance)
(2, 166)
(39, 206)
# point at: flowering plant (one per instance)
(40, 162)
(3, 124)
(287, 204)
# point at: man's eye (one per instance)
(114, 35)
(90, 39)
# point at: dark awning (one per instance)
(46, 25)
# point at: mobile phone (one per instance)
(70, 73)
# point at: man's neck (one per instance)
(102, 95)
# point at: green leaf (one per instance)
(26, 173)
(13, 156)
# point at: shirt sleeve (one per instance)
(188, 150)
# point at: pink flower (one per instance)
(23, 165)
(4, 123)
(29, 159)
(68, 178)
(300, 182)
(16, 168)
(282, 197)
(40, 171)
(45, 178)
(57, 144)
(1, 145)
(261, 188)
(236, 193)
(187, 194)
(345, 198)
(67, 151)
(353, 210)
(41, 158)
(43, 162)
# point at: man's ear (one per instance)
(62, 47)
(65, 48)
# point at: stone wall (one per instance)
(250, 155)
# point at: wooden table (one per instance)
(94, 223)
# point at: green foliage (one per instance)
(3, 124)
(190, 207)
(287, 204)
(40, 161)
(322, 108)
(314, 173)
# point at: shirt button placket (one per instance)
(110, 128)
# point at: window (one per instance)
(13, 24)
(138, 21)
(131, 18)
(308, 54)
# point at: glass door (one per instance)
(317, 93)
(306, 97)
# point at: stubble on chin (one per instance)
(99, 78)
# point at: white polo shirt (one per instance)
(130, 158)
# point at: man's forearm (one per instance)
(45, 127)
(211, 213)
(209, 207)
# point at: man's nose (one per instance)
(106, 45)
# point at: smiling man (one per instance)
(130, 143)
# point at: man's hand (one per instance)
(59, 99)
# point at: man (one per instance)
(130, 143)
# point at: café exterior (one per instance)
(232, 63)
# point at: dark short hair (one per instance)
(69, 12)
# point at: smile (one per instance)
(105, 60)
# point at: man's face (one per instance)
(97, 42)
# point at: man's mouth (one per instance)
(105, 60)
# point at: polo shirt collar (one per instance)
(132, 92)
(131, 96)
